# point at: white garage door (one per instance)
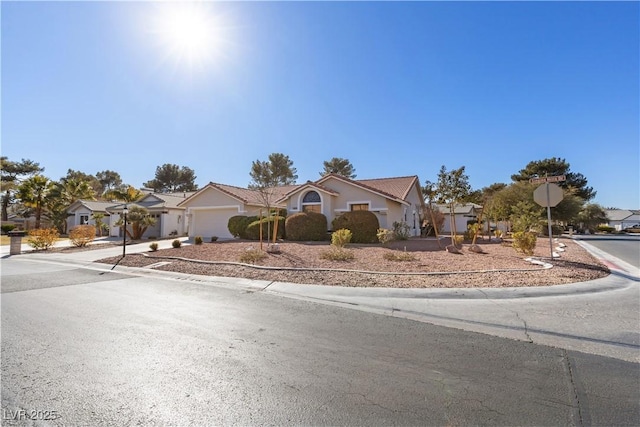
(211, 222)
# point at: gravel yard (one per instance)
(431, 267)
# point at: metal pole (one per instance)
(549, 220)
(124, 236)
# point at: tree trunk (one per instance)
(5, 206)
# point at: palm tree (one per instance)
(124, 193)
(64, 193)
(33, 192)
(139, 219)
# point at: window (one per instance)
(84, 219)
(360, 207)
(311, 208)
(311, 202)
(311, 197)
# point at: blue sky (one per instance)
(397, 88)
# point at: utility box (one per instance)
(15, 245)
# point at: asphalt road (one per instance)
(624, 247)
(82, 347)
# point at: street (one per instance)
(90, 347)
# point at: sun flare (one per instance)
(189, 33)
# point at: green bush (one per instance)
(306, 226)
(153, 246)
(42, 238)
(82, 235)
(176, 243)
(341, 238)
(6, 228)
(253, 229)
(238, 224)
(197, 240)
(214, 239)
(363, 225)
(524, 241)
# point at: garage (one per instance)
(211, 222)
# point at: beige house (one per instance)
(390, 199)
(209, 209)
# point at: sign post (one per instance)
(548, 195)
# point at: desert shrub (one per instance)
(253, 229)
(153, 246)
(555, 229)
(400, 230)
(385, 235)
(214, 239)
(336, 253)
(42, 238)
(457, 241)
(6, 228)
(251, 256)
(524, 241)
(399, 256)
(341, 238)
(606, 229)
(176, 243)
(306, 226)
(363, 225)
(473, 228)
(197, 240)
(82, 235)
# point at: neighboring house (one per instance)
(463, 213)
(390, 199)
(171, 219)
(210, 208)
(622, 218)
(80, 212)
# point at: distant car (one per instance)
(633, 229)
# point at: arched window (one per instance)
(311, 202)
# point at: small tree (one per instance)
(451, 189)
(267, 175)
(591, 216)
(100, 225)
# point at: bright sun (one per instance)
(188, 32)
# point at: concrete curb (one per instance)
(615, 281)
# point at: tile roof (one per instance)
(396, 188)
(618, 214)
(246, 195)
(92, 205)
